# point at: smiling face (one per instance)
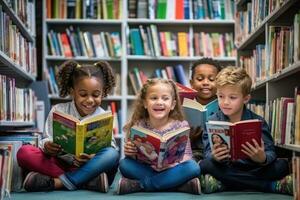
(159, 101)
(87, 94)
(231, 101)
(204, 82)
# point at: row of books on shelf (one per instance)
(86, 9)
(15, 45)
(251, 18)
(283, 117)
(16, 104)
(137, 77)
(75, 43)
(151, 42)
(23, 9)
(10, 173)
(181, 9)
(283, 50)
(52, 71)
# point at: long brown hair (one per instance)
(140, 112)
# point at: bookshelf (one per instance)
(17, 72)
(147, 63)
(15, 68)
(268, 49)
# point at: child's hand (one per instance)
(130, 149)
(195, 134)
(82, 159)
(255, 152)
(220, 153)
(52, 148)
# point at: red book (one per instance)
(66, 45)
(179, 9)
(233, 135)
(185, 92)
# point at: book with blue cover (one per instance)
(197, 114)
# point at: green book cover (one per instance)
(86, 136)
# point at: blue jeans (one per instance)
(240, 177)
(106, 160)
(152, 180)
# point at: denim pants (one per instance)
(237, 177)
(152, 180)
(34, 159)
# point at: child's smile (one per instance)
(87, 94)
(159, 101)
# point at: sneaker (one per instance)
(127, 186)
(99, 183)
(210, 185)
(284, 186)
(192, 187)
(36, 182)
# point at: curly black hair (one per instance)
(71, 71)
(205, 60)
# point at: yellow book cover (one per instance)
(86, 136)
(183, 44)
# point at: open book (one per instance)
(86, 136)
(197, 114)
(233, 135)
(185, 92)
(159, 150)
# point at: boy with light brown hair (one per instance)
(262, 170)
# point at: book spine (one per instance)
(232, 143)
(161, 155)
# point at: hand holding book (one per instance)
(255, 151)
(220, 152)
(52, 148)
(130, 149)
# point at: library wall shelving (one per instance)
(267, 39)
(17, 72)
(153, 37)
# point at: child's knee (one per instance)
(25, 152)
(193, 167)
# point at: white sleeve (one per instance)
(48, 132)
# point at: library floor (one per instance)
(111, 195)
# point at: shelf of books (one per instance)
(269, 49)
(139, 39)
(17, 102)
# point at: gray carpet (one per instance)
(111, 195)
(87, 195)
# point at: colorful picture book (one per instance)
(233, 135)
(197, 114)
(86, 136)
(158, 150)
